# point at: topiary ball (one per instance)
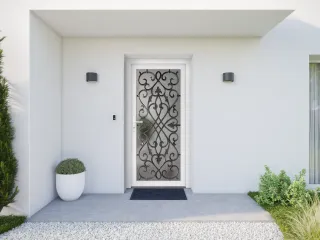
(70, 166)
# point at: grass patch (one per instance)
(9, 222)
(279, 213)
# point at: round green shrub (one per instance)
(70, 166)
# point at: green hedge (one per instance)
(70, 166)
(8, 162)
(9, 222)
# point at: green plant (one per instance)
(273, 188)
(304, 224)
(279, 189)
(70, 166)
(297, 192)
(8, 162)
(9, 222)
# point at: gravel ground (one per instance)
(148, 231)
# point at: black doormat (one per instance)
(158, 194)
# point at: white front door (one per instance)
(158, 124)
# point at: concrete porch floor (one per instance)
(118, 208)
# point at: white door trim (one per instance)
(130, 66)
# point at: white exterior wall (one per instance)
(88, 131)
(268, 123)
(236, 128)
(45, 112)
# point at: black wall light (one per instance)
(228, 77)
(92, 77)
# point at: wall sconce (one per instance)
(228, 77)
(92, 77)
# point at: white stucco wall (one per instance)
(260, 119)
(88, 131)
(236, 127)
(45, 112)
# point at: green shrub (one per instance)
(8, 162)
(70, 166)
(304, 224)
(273, 188)
(9, 222)
(279, 189)
(297, 192)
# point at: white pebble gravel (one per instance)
(147, 231)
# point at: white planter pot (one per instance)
(70, 187)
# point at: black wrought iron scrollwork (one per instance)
(158, 105)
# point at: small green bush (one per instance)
(297, 193)
(70, 166)
(279, 189)
(273, 188)
(9, 222)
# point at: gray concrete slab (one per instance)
(118, 208)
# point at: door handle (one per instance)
(138, 122)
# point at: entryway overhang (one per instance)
(164, 23)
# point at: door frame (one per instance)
(131, 63)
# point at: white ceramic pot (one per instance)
(70, 186)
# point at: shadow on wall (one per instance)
(15, 99)
(295, 35)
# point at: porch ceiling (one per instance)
(162, 23)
